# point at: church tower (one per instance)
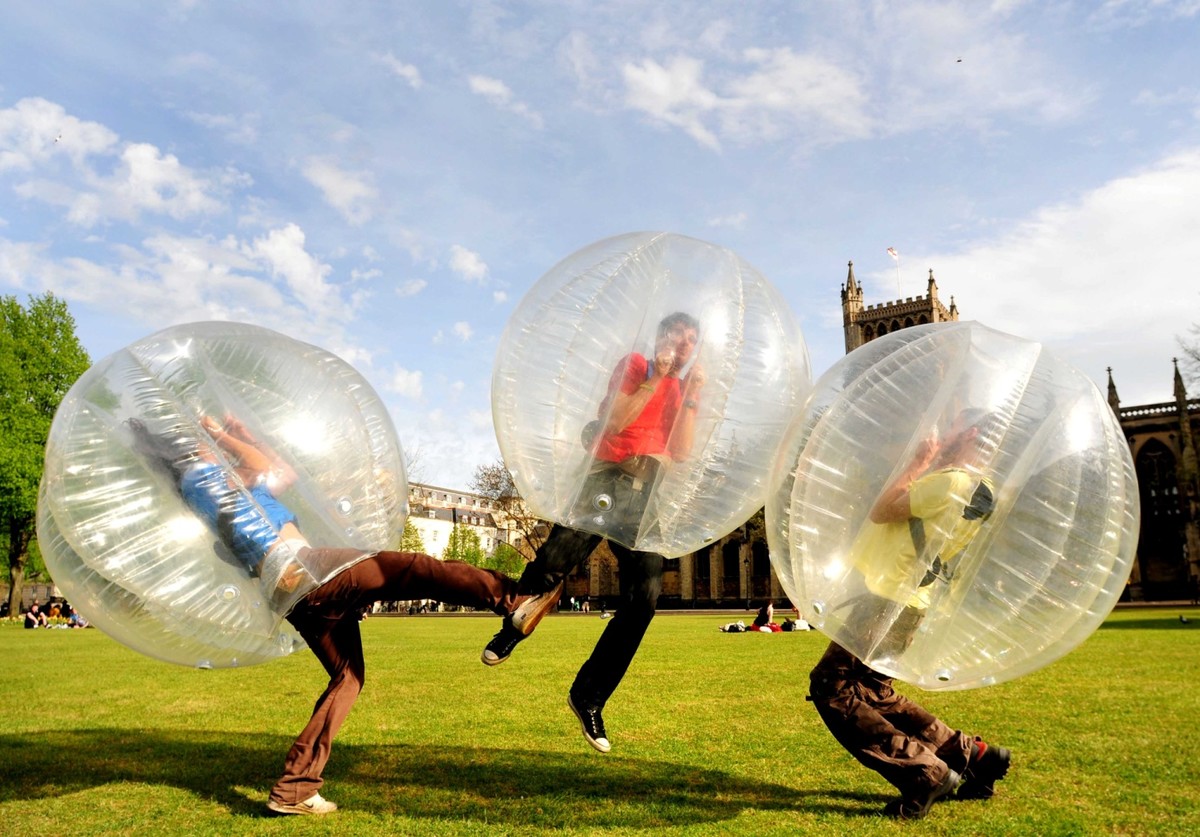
(863, 324)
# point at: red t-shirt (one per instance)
(649, 432)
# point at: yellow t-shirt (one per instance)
(886, 554)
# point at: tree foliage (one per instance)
(505, 559)
(496, 483)
(464, 545)
(40, 358)
(411, 540)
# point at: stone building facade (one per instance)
(1162, 440)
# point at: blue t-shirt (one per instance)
(251, 522)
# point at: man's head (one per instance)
(967, 434)
(679, 332)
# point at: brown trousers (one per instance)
(328, 620)
(884, 730)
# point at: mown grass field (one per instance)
(711, 735)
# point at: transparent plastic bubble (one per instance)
(136, 561)
(1023, 576)
(597, 314)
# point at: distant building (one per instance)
(435, 511)
(1162, 439)
(863, 324)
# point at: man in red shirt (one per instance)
(646, 419)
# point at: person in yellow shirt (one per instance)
(918, 526)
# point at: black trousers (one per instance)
(641, 583)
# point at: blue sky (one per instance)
(386, 180)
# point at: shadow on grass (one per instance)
(513, 787)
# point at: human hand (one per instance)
(664, 362)
(926, 450)
(696, 379)
(211, 426)
(234, 427)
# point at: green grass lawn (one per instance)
(711, 735)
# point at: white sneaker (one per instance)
(315, 804)
(526, 617)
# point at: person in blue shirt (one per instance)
(234, 488)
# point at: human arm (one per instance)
(253, 460)
(894, 504)
(683, 433)
(633, 389)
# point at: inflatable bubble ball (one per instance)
(955, 506)
(641, 388)
(153, 423)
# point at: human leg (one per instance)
(563, 550)
(882, 729)
(598, 678)
(327, 618)
(334, 639)
(392, 576)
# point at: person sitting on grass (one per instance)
(241, 506)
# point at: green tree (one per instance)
(507, 560)
(464, 545)
(40, 358)
(411, 540)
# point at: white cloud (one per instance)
(405, 71)
(283, 253)
(351, 193)
(673, 94)
(499, 297)
(790, 94)
(242, 130)
(498, 94)
(411, 288)
(896, 71)
(463, 331)
(150, 180)
(34, 130)
(1100, 279)
(405, 382)
(468, 264)
(144, 180)
(1135, 13)
(737, 220)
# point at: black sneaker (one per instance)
(592, 722)
(501, 646)
(988, 765)
(916, 807)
